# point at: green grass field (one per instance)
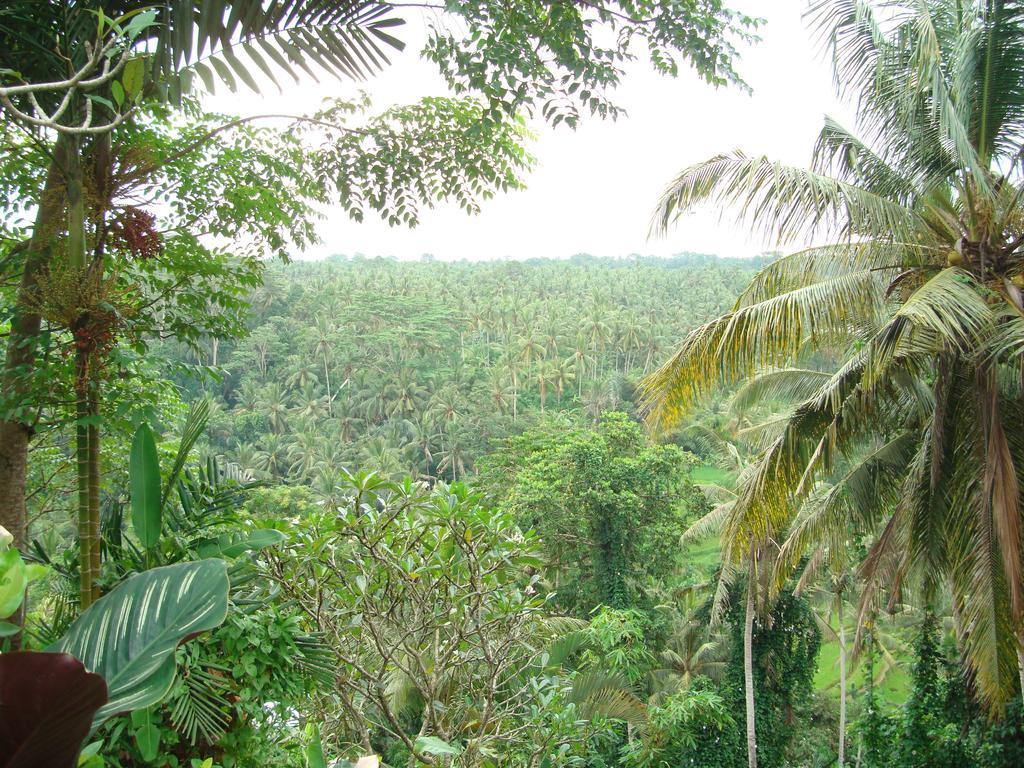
(709, 474)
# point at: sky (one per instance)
(593, 189)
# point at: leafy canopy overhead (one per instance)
(558, 58)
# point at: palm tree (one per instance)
(498, 391)
(304, 453)
(452, 455)
(545, 376)
(272, 456)
(564, 374)
(918, 281)
(310, 404)
(274, 406)
(323, 347)
(692, 650)
(302, 372)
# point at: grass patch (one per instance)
(709, 474)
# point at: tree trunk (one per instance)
(82, 472)
(21, 354)
(842, 681)
(748, 667)
(1020, 665)
(515, 395)
(327, 379)
(94, 490)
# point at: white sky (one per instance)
(593, 189)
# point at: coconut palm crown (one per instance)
(919, 432)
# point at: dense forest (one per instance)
(588, 512)
(422, 368)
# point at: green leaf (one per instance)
(133, 76)
(8, 630)
(101, 100)
(431, 745)
(147, 738)
(90, 749)
(314, 748)
(129, 635)
(235, 544)
(35, 572)
(117, 91)
(12, 582)
(144, 480)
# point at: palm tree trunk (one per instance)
(748, 666)
(94, 490)
(515, 395)
(327, 379)
(82, 473)
(842, 681)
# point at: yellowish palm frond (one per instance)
(774, 386)
(768, 334)
(822, 262)
(857, 500)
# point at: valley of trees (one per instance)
(422, 368)
(554, 513)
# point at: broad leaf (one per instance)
(47, 705)
(13, 580)
(235, 544)
(431, 745)
(144, 479)
(314, 748)
(129, 635)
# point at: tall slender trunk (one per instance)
(83, 352)
(842, 681)
(82, 473)
(21, 353)
(1020, 665)
(748, 665)
(515, 395)
(94, 490)
(327, 379)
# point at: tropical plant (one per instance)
(918, 283)
(126, 641)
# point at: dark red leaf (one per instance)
(47, 702)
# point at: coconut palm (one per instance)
(918, 282)
(274, 406)
(692, 650)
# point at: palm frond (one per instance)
(775, 386)
(767, 334)
(195, 425)
(785, 203)
(856, 501)
(199, 705)
(605, 695)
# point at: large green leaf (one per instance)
(144, 479)
(432, 745)
(129, 635)
(240, 542)
(13, 581)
